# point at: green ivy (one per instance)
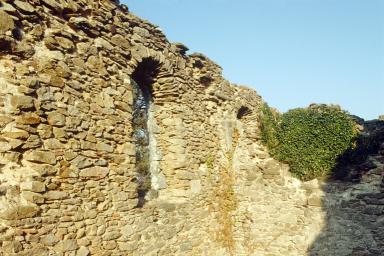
(308, 139)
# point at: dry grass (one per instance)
(223, 199)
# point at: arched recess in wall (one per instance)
(143, 79)
(243, 113)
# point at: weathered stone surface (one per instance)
(56, 119)
(120, 42)
(111, 236)
(83, 251)
(315, 199)
(82, 162)
(32, 197)
(271, 167)
(4, 120)
(94, 172)
(78, 178)
(56, 195)
(28, 118)
(6, 22)
(104, 147)
(22, 102)
(34, 186)
(11, 247)
(49, 239)
(24, 6)
(53, 4)
(41, 157)
(17, 212)
(5, 146)
(66, 246)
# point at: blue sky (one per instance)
(293, 52)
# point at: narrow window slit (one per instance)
(142, 80)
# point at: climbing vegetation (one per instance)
(309, 139)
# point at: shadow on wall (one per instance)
(143, 78)
(354, 200)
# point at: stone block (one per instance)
(49, 239)
(6, 22)
(56, 195)
(16, 212)
(101, 146)
(83, 251)
(168, 207)
(18, 134)
(24, 6)
(56, 119)
(5, 146)
(94, 172)
(113, 235)
(22, 102)
(271, 167)
(4, 120)
(120, 41)
(53, 144)
(32, 197)
(128, 246)
(66, 246)
(28, 118)
(127, 148)
(185, 175)
(40, 157)
(11, 247)
(34, 186)
(315, 199)
(195, 186)
(82, 162)
(311, 185)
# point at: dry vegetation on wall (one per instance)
(223, 199)
(309, 139)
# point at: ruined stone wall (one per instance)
(69, 181)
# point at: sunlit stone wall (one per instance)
(114, 141)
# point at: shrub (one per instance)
(308, 139)
(270, 119)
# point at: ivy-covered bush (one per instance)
(308, 139)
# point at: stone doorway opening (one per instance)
(142, 87)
